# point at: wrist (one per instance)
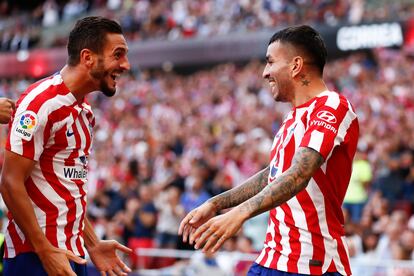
(214, 205)
(41, 246)
(242, 211)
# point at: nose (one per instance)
(265, 72)
(125, 64)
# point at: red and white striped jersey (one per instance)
(305, 234)
(53, 129)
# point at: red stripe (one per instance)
(275, 149)
(87, 135)
(47, 207)
(47, 168)
(277, 239)
(266, 255)
(294, 243)
(312, 222)
(80, 184)
(294, 235)
(70, 161)
(268, 238)
(47, 94)
(17, 242)
(46, 164)
(6, 251)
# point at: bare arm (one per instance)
(16, 170)
(304, 164)
(241, 193)
(103, 253)
(89, 234)
(212, 234)
(225, 200)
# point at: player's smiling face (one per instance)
(111, 64)
(277, 72)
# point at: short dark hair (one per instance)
(90, 33)
(304, 38)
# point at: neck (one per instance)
(75, 80)
(307, 88)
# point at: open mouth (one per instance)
(114, 76)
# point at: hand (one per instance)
(104, 257)
(196, 218)
(212, 234)
(6, 109)
(56, 261)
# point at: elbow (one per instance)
(6, 187)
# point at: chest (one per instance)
(72, 131)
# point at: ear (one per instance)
(87, 57)
(297, 65)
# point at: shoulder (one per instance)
(42, 97)
(332, 100)
(330, 103)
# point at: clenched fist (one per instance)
(6, 109)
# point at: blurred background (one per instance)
(194, 118)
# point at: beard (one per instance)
(100, 74)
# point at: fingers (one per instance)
(123, 266)
(201, 235)
(74, 258)
(187, 232)
(184, 223)
(13, 105)
(219, 243)
(211, 241)
(118, 271)
(123, 248)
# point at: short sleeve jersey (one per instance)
(305, 234)
(52, 128)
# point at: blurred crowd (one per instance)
(167, 142)
(175, 19)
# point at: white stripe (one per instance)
(310, 111)
(261, 256)
(57, 201)
(319, 201)
(350, 116)
(333, 100)
(82, 134)
(284, 232)
(58, 165)
(316, 140)
(10, 246)
(34, 93)
(271, 244)
(331, 247)
(16, 143)
(305, 237)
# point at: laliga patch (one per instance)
(25, 125)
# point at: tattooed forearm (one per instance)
(241, 193)
(304, 164)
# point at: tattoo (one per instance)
(304, 164)
(305, 82)
(243, 192)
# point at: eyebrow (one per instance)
(120, 49)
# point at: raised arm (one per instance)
(212, 234)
